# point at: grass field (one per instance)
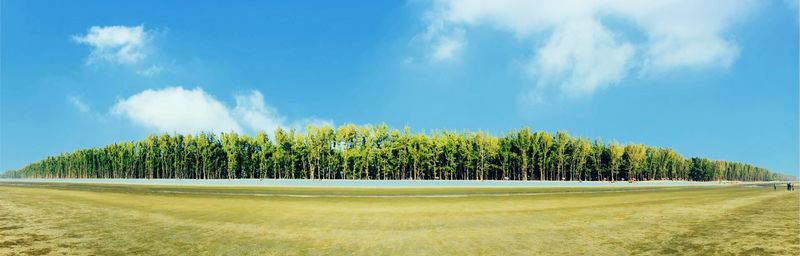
(40, 219)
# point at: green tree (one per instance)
(634, 156)
(615, 159)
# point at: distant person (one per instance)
(788, 186)
(774, 186)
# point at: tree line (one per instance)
(380, 152)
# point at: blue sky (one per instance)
(714, 78)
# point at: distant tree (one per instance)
(634, 156)
(380, 152)
(545, 142)
(615, 152)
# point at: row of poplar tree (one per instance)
(379, 152)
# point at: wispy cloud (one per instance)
(116, 44)
(447, 47)
(577, 49)
(150, 71)
(251, 111)
(78, 104)
(446, 42)
(129, 46)
(176, 109)
(792, 4)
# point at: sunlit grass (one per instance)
(124, 220)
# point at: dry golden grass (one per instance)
(151, 220)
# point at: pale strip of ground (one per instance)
(83, 219)
(376, 183)
(344, 192)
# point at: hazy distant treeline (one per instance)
(379, 152)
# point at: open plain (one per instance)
(114, 219)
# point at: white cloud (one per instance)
(175, 109)
(446, 48)
(150, 71)
(446, 41)
(78, 104)
(583, 56)
(253, 113)
(116, 44)
(686, 33)
(582, 51)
